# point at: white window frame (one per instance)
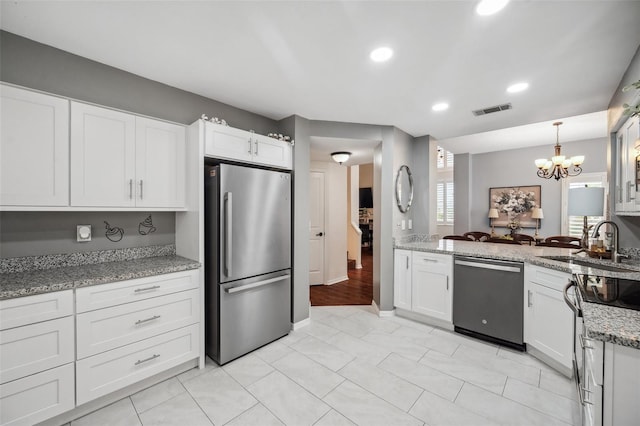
(445, 176)
(583, 177)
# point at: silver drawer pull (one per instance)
(151, 358)
(153, 287)
(584, 398)
(426, 259)
(155, 317)
(583, 344)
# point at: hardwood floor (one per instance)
(357, 290)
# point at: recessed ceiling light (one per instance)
(440, 106)
(518, 87)
(489, 7)
(381, 54)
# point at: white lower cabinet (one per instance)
(423, 283)
(109, 371)
(548, 322)
(38, 397)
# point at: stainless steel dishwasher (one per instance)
(488, 299)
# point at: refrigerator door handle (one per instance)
(257, 284)
(228, 226)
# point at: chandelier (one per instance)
(559, 166)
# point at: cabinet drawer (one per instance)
(435, 262)
(36, 347)
(109, 328)
(38, 397)
(547, 277)
(41, 307)
(106, 295)
(109, 371)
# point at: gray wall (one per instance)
(420, 171)
(37, 233)
(403, 154)
(629, 225)
(515, 168)
(462, 178)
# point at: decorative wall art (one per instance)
(515, 205)
(146, 227)
(114, 233)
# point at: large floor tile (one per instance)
(423, 376)
(157, 394)
(294, 336)
(428, 340)
(387, 386)
(219, 395)
(287, 400)
(316, 378)
(452, 336)
(257, 415)
(482, 359)
(324, 353)
(502, 410)
(346, 325)
(485, 378)
(209, 365)
(319, 330)
(364, 408)
(177, 411)
(333, 418)
(398, 344)
(360, 349)
(341, 311)
(523, 358)
(559, 384)
(120, 413)
(374, 321)
(565, 409)
(273, 351)
(248, 369)
(437, 411)
(406, 322)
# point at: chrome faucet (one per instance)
(615, 254)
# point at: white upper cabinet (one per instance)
(160, 163)
(627, 195)
(34, 149)
(102, 157)
(247, 147)
(120, 160)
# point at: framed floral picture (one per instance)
(514, 205)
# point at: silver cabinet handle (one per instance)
(583, 344)
(249, 151)
(152, 357)
(629, 186)
(256, 146)
(228, 229)
(529, 304)
(153, 287)
(256, 284)
(407, 262)
(131, 189)
(447, 282)
(155, 317)
(619, 191)
(426, 259)
(584, 396)
(568, 301)
(141, 188)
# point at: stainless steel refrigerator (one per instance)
(247, 259)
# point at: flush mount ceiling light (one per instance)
(489, 7)
(558, 166)
(381, 54)
(340, 156)
(440, 106)
(518, 87)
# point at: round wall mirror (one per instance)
(404, 188)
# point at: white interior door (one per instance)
(316, 229)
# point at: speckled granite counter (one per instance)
(606, 323)
(27, 282)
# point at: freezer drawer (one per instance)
(250, 314)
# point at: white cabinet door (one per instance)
(431, 285)
(102, 157)
(160, 163)
(271, 152)
(34, 149)
(228, 142)
(627, 197)
(402, 279)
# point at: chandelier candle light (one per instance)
(559, 166)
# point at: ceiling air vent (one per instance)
(489, 110)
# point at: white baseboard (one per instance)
(359, 266)
(298, 325)
(336, 280)
(381, 314)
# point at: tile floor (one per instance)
(351, 367)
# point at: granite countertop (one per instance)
(26, 282)
(606, 323)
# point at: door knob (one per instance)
(320, 234)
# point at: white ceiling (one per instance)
(311, 58)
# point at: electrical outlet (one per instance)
(410, 224)
(404, 224)
(83, 233)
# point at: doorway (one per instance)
(316, 228)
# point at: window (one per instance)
(572, 225)
(444, 188)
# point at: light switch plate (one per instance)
(83, 233)
(404, 224)
(410, 224)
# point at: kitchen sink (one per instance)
(583, 262)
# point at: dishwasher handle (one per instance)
(488, 266)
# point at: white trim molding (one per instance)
(300, 324)
(382, 314)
